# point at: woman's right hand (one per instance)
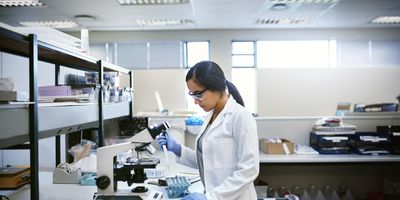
(166, 139)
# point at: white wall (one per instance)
(316, 92)
(286, 92)
(169, 83)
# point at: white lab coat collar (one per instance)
(228, 108)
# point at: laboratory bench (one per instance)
(50, 191)
(277, 170)
(360, 173)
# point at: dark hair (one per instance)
(210, 75)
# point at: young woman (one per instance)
(226, 152)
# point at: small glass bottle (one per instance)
(282, 191)
(271, 193)
(106, 94)
(300, 192)
(315, 193)
(329, 193)
(344, 193)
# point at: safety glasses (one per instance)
(197, 94)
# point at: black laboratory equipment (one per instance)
(338, 143)
(371, 143)
(394, 134)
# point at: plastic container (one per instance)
(193, 124)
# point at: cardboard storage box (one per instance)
(276, 148)
(13, 178)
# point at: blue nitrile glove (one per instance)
(167, 139)
(195, 196)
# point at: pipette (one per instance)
(166, 153)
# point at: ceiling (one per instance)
(208, 14)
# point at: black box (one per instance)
(394, 132)
(331, 143)
(371, 143)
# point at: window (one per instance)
(368, 53)
(245, 81)
(243, 72)
(243, 54)
(102, 51)
(195, 52)
(142, 54)
(132, 55)
(296, 54)
(165, 55)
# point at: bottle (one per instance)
(106, 94)
(315, 193)
(329, 193)
(300, 192)
(344, 193)
(271, 193)
(282, 191)
(305, 196)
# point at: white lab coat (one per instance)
(230, 154)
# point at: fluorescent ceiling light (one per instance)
(20, 3)
(386, 20)
(52, 24)
(303, 1)
(163, 22)
(288, 20)
(152, 2)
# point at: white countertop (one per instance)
(50, 191)
(323, 158)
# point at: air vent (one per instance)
(20, 3)
(152, 2)
(163, 22)
(303, 1)
(387, 20)
(290, 20)
(51, 24)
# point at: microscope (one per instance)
(109, 172)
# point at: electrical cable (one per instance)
(1, 64)
(4, 196)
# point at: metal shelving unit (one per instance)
(29, 123)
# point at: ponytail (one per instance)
(210, 75)
(235, 93)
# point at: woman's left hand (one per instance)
(195, 196)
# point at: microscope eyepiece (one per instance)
(158, 129)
